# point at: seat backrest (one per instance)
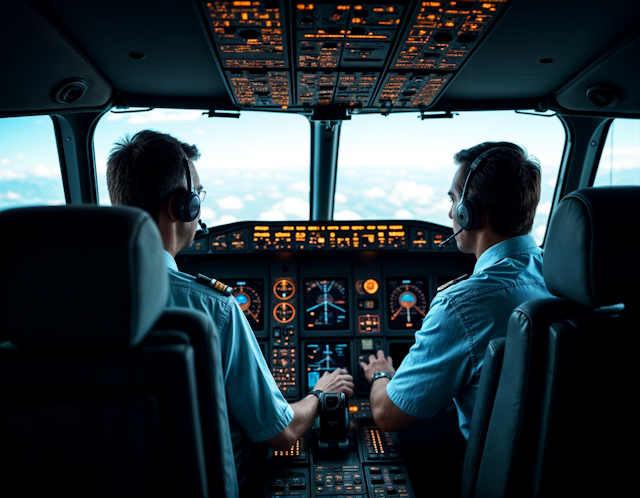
(93, 401)
(481, 415)
(561, 422)
(218, 448)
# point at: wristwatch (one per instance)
(317, 393)
(378, 375)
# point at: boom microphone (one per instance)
(446, 242)
(203, 228)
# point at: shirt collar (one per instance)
(169, 262)
(515, 245)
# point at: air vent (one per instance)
(71, 91)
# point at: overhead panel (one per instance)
(443, 34)
(355, 38)
(287, 54)
(251, 42)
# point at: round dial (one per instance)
(407, 306)
(284, 312)
(250, 304)
(326, 305)
(284, 288)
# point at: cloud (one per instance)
(5, 161)
(10, 196)
(208, 213)
(402, 214)
(249, 197)
(156, 116)
(340, 198)
(299, 186)
(544, 209)
(55, 202)
(346, 214)
(538, 233)
(230, 202)
(44, 171)
(275, 195)
(374, 193)
(199, 131)
(7, 174)
(410, 192)
(227, 218)
(288, 208)
(20, 156)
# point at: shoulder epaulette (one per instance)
(453, 282)
(214, 284)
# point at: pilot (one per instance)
(494, 195)
(155, 172)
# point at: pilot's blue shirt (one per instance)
(446, 359)
(257, 409)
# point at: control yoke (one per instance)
(333, 422)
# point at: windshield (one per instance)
(399, 167)
(396, 167)
(253, 168)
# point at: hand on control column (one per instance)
(378, 364)
(338, 381)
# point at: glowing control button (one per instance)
(370, 286)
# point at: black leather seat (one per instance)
(563, 419)
(101, 390)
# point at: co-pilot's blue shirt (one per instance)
(257, 410)
(446, 359)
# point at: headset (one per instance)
(468, 214)
(186, 204)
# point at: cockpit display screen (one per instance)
(249, 294)
(323, 357)
(407, 302)
(326, 305)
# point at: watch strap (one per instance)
(379, 375)
(317, 393)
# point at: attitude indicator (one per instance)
(325, 305)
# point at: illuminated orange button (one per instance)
(371, 286)
(353, 408)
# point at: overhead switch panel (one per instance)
(291, 55)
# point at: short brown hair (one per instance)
(145, 170)
(506, 187)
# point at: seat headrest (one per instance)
(87, 277)
(589, 255)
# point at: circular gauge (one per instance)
(326, 305)
(407, 305)
(284, 288)
(250, 304)
(284, 312)
(367, 286)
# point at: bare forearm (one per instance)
(387, 415)
(304, 412)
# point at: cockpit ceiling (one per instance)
(351, 54)
(326, 59)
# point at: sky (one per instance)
(257, 167)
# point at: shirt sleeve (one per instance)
(253, 397)
(438, 365)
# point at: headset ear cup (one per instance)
(186, 206)
(467, 214)
(192, 208)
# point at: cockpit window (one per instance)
(253, 168)
(620, 159)
(399, 167)
(29, 165)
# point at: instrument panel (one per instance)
(325, 296)
(322, 296)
